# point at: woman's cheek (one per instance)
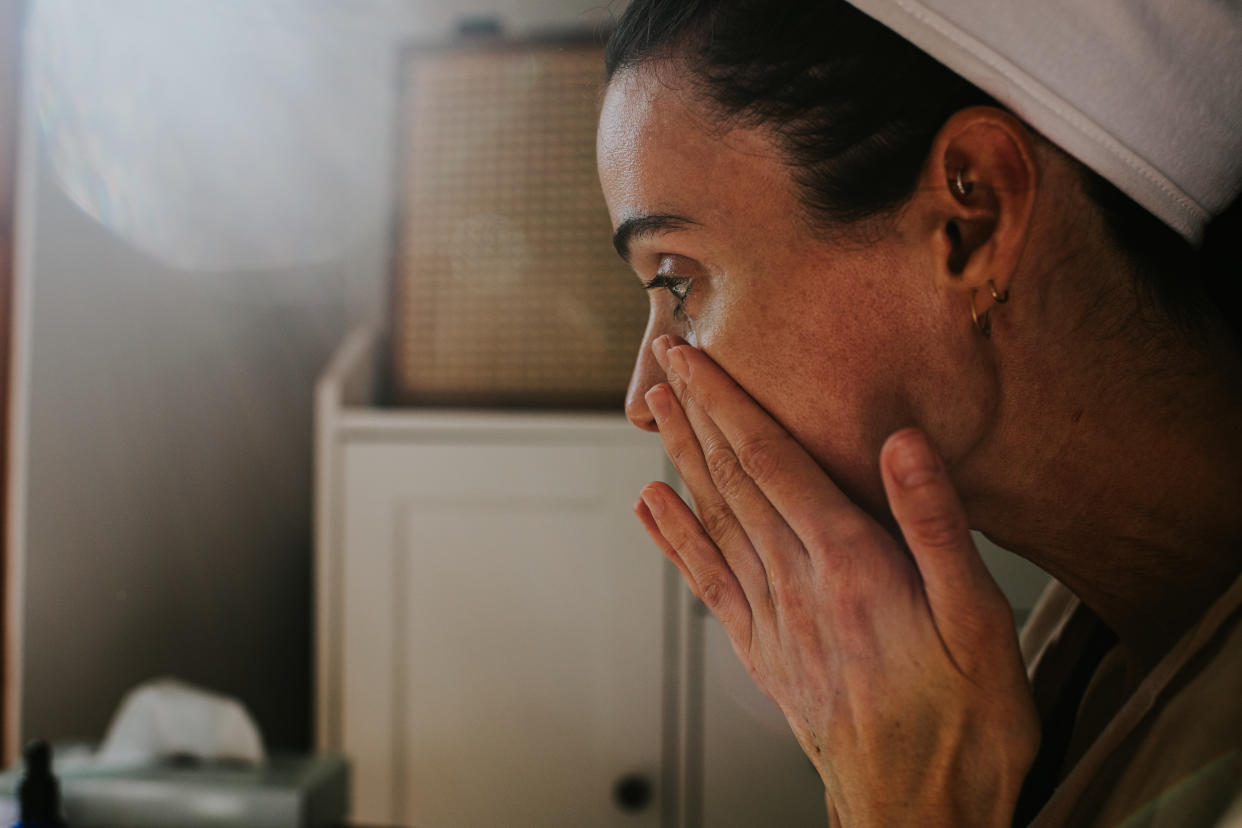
(705, 326)
(714, 328)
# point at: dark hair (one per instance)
(858, 107)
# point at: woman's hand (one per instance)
(898, 670)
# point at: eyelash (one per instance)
(679, 286)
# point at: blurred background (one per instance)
(202, 206)
(205, 192)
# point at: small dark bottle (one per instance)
(38, 794)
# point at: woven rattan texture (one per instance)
(508, 291)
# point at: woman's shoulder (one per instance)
(1182, 768)
(1172, 756)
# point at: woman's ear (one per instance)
(980, 183)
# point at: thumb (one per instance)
(966, 604)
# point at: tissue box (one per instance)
(286, 792)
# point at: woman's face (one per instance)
(842, 342)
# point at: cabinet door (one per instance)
(504, 634)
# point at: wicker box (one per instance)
(507, 291)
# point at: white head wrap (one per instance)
(1148, 93)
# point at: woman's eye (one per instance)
(679, 286)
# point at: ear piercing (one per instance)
(983, 321)
(962, 188)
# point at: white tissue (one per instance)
(166, 717)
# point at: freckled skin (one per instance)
(1111, 464)
(842, 342)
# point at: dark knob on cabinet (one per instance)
(632, 792)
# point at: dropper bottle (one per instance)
(38, 794)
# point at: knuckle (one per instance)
(850, 587)
(759, 457)
(724, 467)
(718, 523)
(679, 452)
(818, 540)
(853, 617)
(939, 529)
(789, 593)
(853, 533)
(680, 536)
(713, 590)
(801, 624)
(838, 544)
(784, 591)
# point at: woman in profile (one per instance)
(932, 266)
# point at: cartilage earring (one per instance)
(963, 187)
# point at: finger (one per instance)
(964, 599)
(716, 585)
(653, 531)
(715, 515)
(776, 547)
(790, 480)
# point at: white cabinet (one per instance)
(497, 603)
(492, 617)
(498, 643)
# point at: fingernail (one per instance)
(913, 461)
(660, 349)
(677, 364)
(653, 502)
(657, 402)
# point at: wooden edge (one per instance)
(16, 187)
(345, 379)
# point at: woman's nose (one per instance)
(647, 373)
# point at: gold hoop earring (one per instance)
(998, 298)
(983, 322)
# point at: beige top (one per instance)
(1171, 756)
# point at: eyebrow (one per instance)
(643, 226)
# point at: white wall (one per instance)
(166, 425)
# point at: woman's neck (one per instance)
(1126, 485)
